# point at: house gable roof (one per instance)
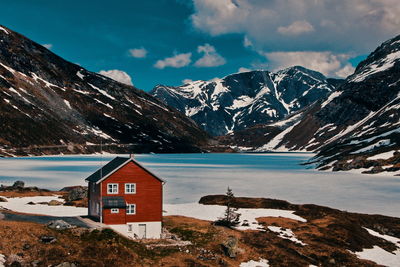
(113, 166)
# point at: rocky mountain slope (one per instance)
(241, 100)
(49, 104)
(357, 126)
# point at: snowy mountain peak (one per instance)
(241, 100)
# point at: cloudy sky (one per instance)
(173, 41)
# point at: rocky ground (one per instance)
(69, 196)
(328, 237)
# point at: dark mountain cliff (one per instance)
(46, 101)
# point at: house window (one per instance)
(129, 227)
(131, 209)
(112, 188)
(114, 210)
(130, 188)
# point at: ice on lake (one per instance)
(191, 176)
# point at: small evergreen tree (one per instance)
(231, 216)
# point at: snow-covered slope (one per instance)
(49, 103)
(241, 100)
(357, 126)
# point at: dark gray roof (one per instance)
(112, 166)
(106, 169)
(114, 202)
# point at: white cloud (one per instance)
(117, 75)
(328, 63)
(210, 58)
(339, 26)
(176, 61)
(138, 52)
(296, 28)
(242, 69)
(48, 46)
(186, 81)
(345, 71)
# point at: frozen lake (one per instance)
(190, 176)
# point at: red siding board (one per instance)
(148, 197)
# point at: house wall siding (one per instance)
(148, 196)
(94, 198)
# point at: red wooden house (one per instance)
(126, 196)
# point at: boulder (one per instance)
(54, 203)
(2, 199)
(376, 169)
(230, 246)
(59, 225)
(77, 193)
(19, 184)
(47, 239)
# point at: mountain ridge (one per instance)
(241, 100)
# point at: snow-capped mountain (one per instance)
(241, 100)
(357, 126)
(47, 102)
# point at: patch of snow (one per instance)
(241, 101)
(67, 103)
(272, 144)
(379, 66)
(213, 212)
(192, 111)
(107, 105)
(218, 89)
(380, 143)
(286, 121)
(4, 30)
(252, 263)
(8, 68)
(109, 116)
(19, 204)
(388, 238)
(384, 155)
(330, 98)
(102, 91)
(14, 91)
(80, 75)
(81, 92)
(380, 256)
(286, 234)
(47, 84)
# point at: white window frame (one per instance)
(115, 210)
(112, 191)
(130, 186)
(128, 209)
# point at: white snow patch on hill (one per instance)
(252, 263)
(380, 256)
(385, 155)
(379, 66)
(330, 98)
(4, 30)
(19, 204)
(213, 212)
(286, 234)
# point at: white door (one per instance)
(142, 231)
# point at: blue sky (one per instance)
(168, 41)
